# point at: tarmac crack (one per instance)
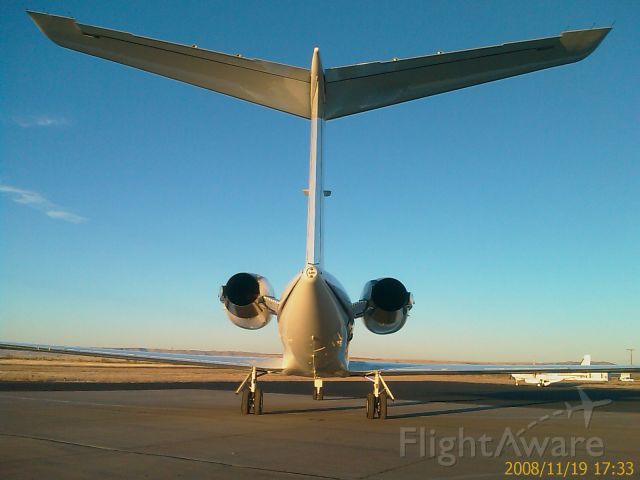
(162, 455)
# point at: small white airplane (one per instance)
(315, 315)
(546, 379)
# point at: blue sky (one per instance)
(510, 210)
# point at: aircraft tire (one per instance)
(257, 401)
(371, 406)
(382, 401)
(245, 403)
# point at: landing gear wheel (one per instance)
(382, 406)
(317, 389)
(371, 406)
(245, 404)
(251, 394)
(377, 400)
(257, 401)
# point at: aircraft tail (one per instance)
(316, 94)
(586, 360)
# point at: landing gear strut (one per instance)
(252, 396)
(318, 393)
(377, 400)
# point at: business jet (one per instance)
(315, 315)
(546, 379)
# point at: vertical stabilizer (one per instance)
(586, 360)
(316, 187)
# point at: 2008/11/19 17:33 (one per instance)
(600, 468)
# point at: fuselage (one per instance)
(315, 324)
(549, 378)
(315, 319)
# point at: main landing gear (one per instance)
(377, 400)
(318, 393)
(252, 396)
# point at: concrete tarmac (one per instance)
(195, 430)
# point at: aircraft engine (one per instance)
(388, 305)
(242, 298)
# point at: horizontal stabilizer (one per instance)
(348, 90)
(366, 86)
(273, 85)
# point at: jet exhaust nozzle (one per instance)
(388, 305)
(243, 300)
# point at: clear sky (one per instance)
(511, 210)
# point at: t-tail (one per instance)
(319, 94)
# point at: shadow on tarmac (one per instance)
(417, 392)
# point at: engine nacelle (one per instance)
(242, 298)
(388, 305)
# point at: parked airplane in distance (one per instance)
(546, 379)
(315, 314)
